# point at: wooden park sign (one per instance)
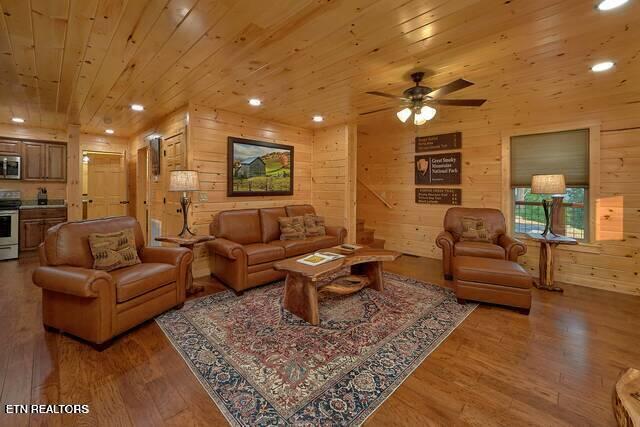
(439, 196)
(445, 141)
(438, 169)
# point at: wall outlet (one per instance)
(203, 196)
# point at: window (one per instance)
(564, 153)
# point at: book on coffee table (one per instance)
(319, 258)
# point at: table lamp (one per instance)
(184, 180)
(553, 185)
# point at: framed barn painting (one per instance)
(256, 168)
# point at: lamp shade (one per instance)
(184, 181)
(548, 184)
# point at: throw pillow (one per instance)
(113, 250)
(314, 225)
(291, 227)
(474, 230)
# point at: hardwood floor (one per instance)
(556, 366)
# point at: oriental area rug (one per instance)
(263, 365)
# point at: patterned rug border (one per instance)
(361, 418)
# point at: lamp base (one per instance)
(185, 202)
(547, 217)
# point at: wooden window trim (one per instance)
(594, 170)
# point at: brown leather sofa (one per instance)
(502, 247)
(97, 305)
(248, 243)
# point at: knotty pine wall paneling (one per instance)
(385, 161)
(207, 153)
(334, 176)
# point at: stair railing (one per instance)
(375, 193)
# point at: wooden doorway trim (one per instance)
(142, 189)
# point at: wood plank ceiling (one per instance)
(86, 61)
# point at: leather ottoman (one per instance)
(494, 281)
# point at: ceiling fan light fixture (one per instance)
(404, 114)
(428, 112)
(425, 114)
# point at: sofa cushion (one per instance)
(257, 253)
(295, 247)
(291, 227)
(314, 225)
(270, 225)
(241, 226)
(479, 249)
(139, 279)
(113, 250)
(323, 242)
(475, 230)
(299, 210)
(491, 271)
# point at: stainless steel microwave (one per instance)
(9, 167)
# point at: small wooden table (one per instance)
(548, 244)
(189, 243)
(626, 398)
(304, 282)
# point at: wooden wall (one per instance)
(207, 153)
(334, 176)
(385, 161)
(170, 125)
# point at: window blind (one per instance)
(564, 153)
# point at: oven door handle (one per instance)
(8, 212)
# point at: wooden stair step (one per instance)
(359, 225)
(378, 244)
(365, 236)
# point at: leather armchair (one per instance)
(97, 305)
(501, 246)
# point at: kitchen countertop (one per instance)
(42, 206)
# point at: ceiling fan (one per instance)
(415, 100)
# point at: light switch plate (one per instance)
(203, 196)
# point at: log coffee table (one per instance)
(304, 282)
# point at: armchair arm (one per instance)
(446, 242)
(163, 255)
(226, 248)
(513, 247)
(338, 231)
(81, 282)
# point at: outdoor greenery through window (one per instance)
(529, 215)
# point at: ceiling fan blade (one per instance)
(450, 88)
(378, 110)
(461, 102)
(386, 95)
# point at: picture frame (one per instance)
(258, 168)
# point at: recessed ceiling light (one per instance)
(318, 119)
(110, 131)
(137, 107)
(610, 4)
(17, 120)
(602, 66)
(255, 102)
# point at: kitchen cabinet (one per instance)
(10, 147)
(35, 222)
(44, 161)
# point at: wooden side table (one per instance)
(548, 244)
(189, 243)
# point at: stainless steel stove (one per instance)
(9, 205)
